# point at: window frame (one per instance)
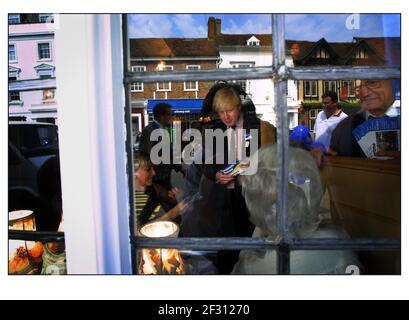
(15, 53)
(41, 17)
(48, 100)
(164, 68)
(351, 92)
(133, 86)
(15, 16)
(15, 101)
(49, 51)
(329, 82)
(196, 82)
(280, 73)
(310, 82)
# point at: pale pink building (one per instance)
(32, 68)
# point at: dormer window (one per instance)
(14, 73)
(253, 42)
(45, 71)
(322, 54)
(361, 53)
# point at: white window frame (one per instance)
(15, 16)
(240, 65)
(164, 68)
(330, 82)
(137, 86)
(49, 49)
(351, 91)
(15, 53)
(96, 211)
(18, 102)
(191, 67)
(311, 94)
(41, 17)
(45, 70)
(253, 42)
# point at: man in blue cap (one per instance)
(300, 137)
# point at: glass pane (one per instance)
(179, 176)
(194, 262)
(211, 41)
(35, 257)
(358, 121)
(34, 185)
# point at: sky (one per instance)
(333, 27)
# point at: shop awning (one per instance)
(179, 106)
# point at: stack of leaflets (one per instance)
(377, 135)
(236, 168)
(239, 166)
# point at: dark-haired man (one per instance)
(328, 119)
(162, 119)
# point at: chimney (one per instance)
(211, 28)
(218, 27)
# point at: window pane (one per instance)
(12, 52)
(14, 96)
(14, 18)
(35, 199)
(311, 201)
(173, 261)
(46, 17)
(44, 51)
(191, 116)
(213, 41)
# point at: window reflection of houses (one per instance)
(359, 52)
(31, 68)
(161, 54)
(218, 50)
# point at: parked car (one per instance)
(30, 145)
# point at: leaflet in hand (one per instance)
(236, 168)
(240, 165)
(378, 134)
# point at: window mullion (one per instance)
(280, 103)
(298, 73)
(344, 73)
(196, 243)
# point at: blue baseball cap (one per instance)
(301, 134)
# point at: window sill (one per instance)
(16, 103)
(45, 60)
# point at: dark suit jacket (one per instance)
(249, 122)
(342, 140)
(146, 144)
